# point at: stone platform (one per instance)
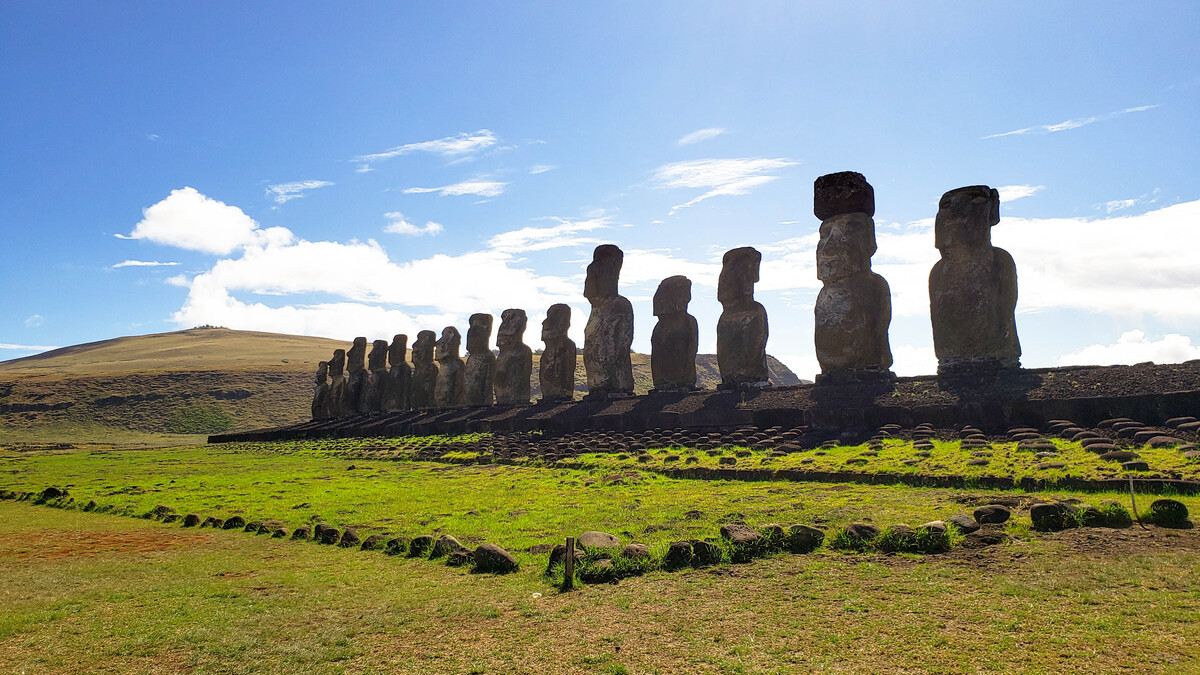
(992, 402)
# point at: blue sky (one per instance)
(303, 168)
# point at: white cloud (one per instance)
(189, 220)
(401, 226)
(26, 348)
(462, 145)
(35, 320)
(1119, 205)
(564, 234)
(721, 177)
(541, 168)
(700, 135)
(475, 187)
(143, 263)
(910, 360)
(153, 137)
(284, 192)
(1070, 124)
(180, 280)
(1134, 347)
(1009, 193)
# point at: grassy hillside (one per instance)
(197, 381)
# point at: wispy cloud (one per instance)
(700, 135)
(541, 168)
(564, 234)
(721, 177)
(1010, 193)
(401, 226)
(27, 348)
(143, 263)
(1070, 124)
(462, 145)
(153, 137)
(285, 192)
(471, 187)
(35, 320)
(1119, 205)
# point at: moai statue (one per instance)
(609, 331)
(676, 337)
(337, 384)
(320, 402)
(742, 328)
(973, 288)
(854, 307)
(514, 366)
(480, 361)
(376, 378)
(556, 371)
(450, 388)
(356, 376)
(425, 371)
(396, 393)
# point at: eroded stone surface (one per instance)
(556, 372)
(514, 366)
(376, 378)
(320, 402)
(337, 383)
(425, 370)
(480, 361)
(450, 387)
(609, 331)
(742, 327)
(356, 376)
(973, 288)
(676, 336)
(854, 308)
(396, 395)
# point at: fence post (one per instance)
(569, 565)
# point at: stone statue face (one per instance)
(846, 246)
(739, 273)
(422, 349)
(377, 360)
(603, 273)
(322, 372)
(479, 333)
(397, 351)
(965, 217)
(512, 328)
(673, 295)
(338, 362)
(556, 323)
(447, 347)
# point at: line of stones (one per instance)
(972, 291)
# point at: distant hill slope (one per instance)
(204, 380)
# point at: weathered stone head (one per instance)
(357, 356)
(846, 246)
(512, 328)
(423, 346)
(843, 192)
(377, 360)
(603, 273)
(447, 347)
(399, 349)
(739, 273)
(557, 322)
(322, 373)
(965, 217)
(479, 333)
(673, 295)
(337, 364)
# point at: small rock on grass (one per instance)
(1169, 512)
(740, 535)
(679, 554)
(636, 552)
(302, 533)
(804, 539)
(1051, 517)
(558, 556)
(861, 533)
(594, 539)
(396, 546)
(705, 553)
(374, 542)
(965, 524)
(280, 533)
(445, 545)
(420, 545)
(234, 523)
(460, 558)
(493, 559)
(992, 513)
(933, 526)
(191, 520)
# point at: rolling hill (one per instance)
(201, 380)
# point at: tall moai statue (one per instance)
(514, 366)
(742, 328)
(556, 370)
(973, 288)
(337, 384)
(676, 337)
(320, 402)
(608, 334)
(376, 379)
(480, 361)
(450, 388)
(854, 307)
(396, 393)
(425, 371)
(356, 376)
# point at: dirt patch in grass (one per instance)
(58, 544)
